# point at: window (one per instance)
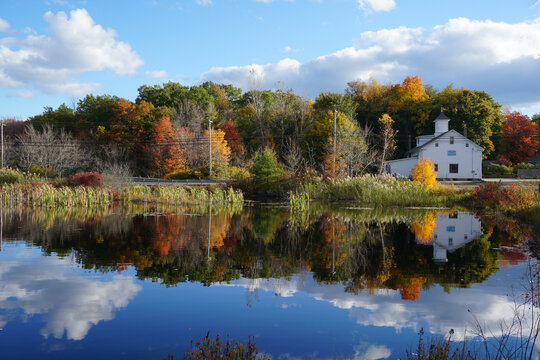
(450, 241)
(436, 144)
(454, 168)
(451, 229)
(451, 152)
(453, 215)
(465, 237)
(436, 167)
(451, 139)
(467, 145)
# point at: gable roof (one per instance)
(442, 116)
(418, 148)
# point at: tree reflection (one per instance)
(365, 251)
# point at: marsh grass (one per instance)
(14, 176)
(384, 190)
(48, 196)
(181, 195)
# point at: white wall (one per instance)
(401, 167)
(469, 159)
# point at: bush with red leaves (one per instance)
(88, 179)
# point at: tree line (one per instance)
(167, 129)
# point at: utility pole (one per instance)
(2, 136)
(335, 141)
(210, 145)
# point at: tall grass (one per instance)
(382, 190)
(181, 195)
(48, 196)
(299, 209)
(14, 176)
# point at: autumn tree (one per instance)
(234, 140)
(220, 149)
(372, 100)
(132, 129)
(424, 172)
(409, 107)
(519, 136)
(388, 135)
(168, 154)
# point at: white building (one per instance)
(454, 156)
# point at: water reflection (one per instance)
(72, 303)
(446, 232)
(390, 269)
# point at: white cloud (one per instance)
(72, 303)
(75, 44)
(377, 5)
(4, 25)
(496, 57)
(156, 74)
(204, 2)
(287, 48)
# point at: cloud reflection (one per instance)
(435, 310)
(72, 303)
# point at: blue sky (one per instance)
(55, 51)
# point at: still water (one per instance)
(121, 284)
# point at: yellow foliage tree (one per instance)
(221, 151)
(425, 229)
(424, 172)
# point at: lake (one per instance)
(141, 283)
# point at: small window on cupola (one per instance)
(451, 139)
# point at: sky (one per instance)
(57, 51)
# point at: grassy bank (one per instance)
(385, 190)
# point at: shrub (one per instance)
(524, 166)
(507, 198)
(190, 174)
(11, 176)
(87, 179)
(498, 170)
(42, 171)
(501, 160)
(424, 173)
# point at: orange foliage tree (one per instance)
(424, 172)
(168, 155)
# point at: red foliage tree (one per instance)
(519, 136)
(233, 140)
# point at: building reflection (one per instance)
(447, 232)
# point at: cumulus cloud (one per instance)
(75, 44)
(377, 5)
(493, 56)
(204, 2)
(4, 25)
(71, 304)
(156, 74)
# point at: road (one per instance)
(156, 181)
(502, 181)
